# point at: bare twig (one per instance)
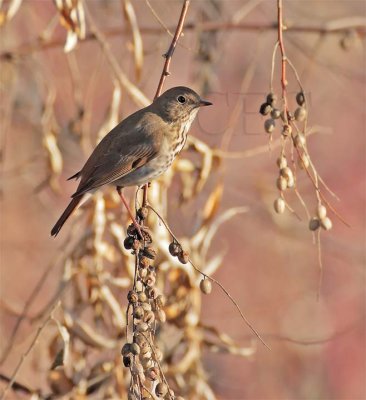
(330, 27)
(211, 279)
(168, 58)
(25, 355)
(284, 59)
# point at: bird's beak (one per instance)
(204, 103)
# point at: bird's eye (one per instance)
(181, 99)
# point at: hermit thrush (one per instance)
(138, 149)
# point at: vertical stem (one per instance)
(283, 54)
(168, 58)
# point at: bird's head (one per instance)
(179, 103)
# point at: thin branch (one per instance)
(260, 149)
(25, 355)
(330, 27)
(169, 54)
(168, 58)
(281, 45)
(211, 279)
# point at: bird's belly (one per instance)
(152, 170)
(157, 166)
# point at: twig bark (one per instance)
(168, 58)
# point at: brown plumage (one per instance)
(138, 149)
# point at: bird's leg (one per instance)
(124, 201)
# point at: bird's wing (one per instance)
(128, 146)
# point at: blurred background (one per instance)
(61, 90)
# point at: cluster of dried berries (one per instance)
(175, 249)
(320, 220)
(145, 309)
(268, 109)
(293, 128)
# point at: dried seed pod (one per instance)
(303, 161)
(137, 368)
(145, 348)
(152, 373)
(160, 315)
(143, 327)
(160, 301)
(146, 307)
(151, 292)
(286, 130)
(300, 140)
(151, 273)
(271, 98)
(158, 354)
(321, 211)
(290, 182)
(149, 317)
(136, 245)
(326, 223)
(150, 280)
(279, 205)
(183, 257)
(140, 340)
(300, 114)
(275, 113)
(147, 363)
(127, 361)
(290, 116)
(138, 312)
(131, 230)
(286, 172)
(300, 98)
(281, 183)
(146, 355)
(126, 349)
(143, 212)
(314, 224)
(142, 273)
(142, 297)
(174, 248)
(135, 349)
(161, 389)
(206, 286)
(144, 262)
(171, 393)
(128, 242)
(132, 297)
(265, 109)
(149, 252)
(269, 125)
(282, 161)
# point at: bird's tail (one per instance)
(66, 214)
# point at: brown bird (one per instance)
(138, 149)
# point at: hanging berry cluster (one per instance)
(176, 250)
(144, 311)
(293, 133)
